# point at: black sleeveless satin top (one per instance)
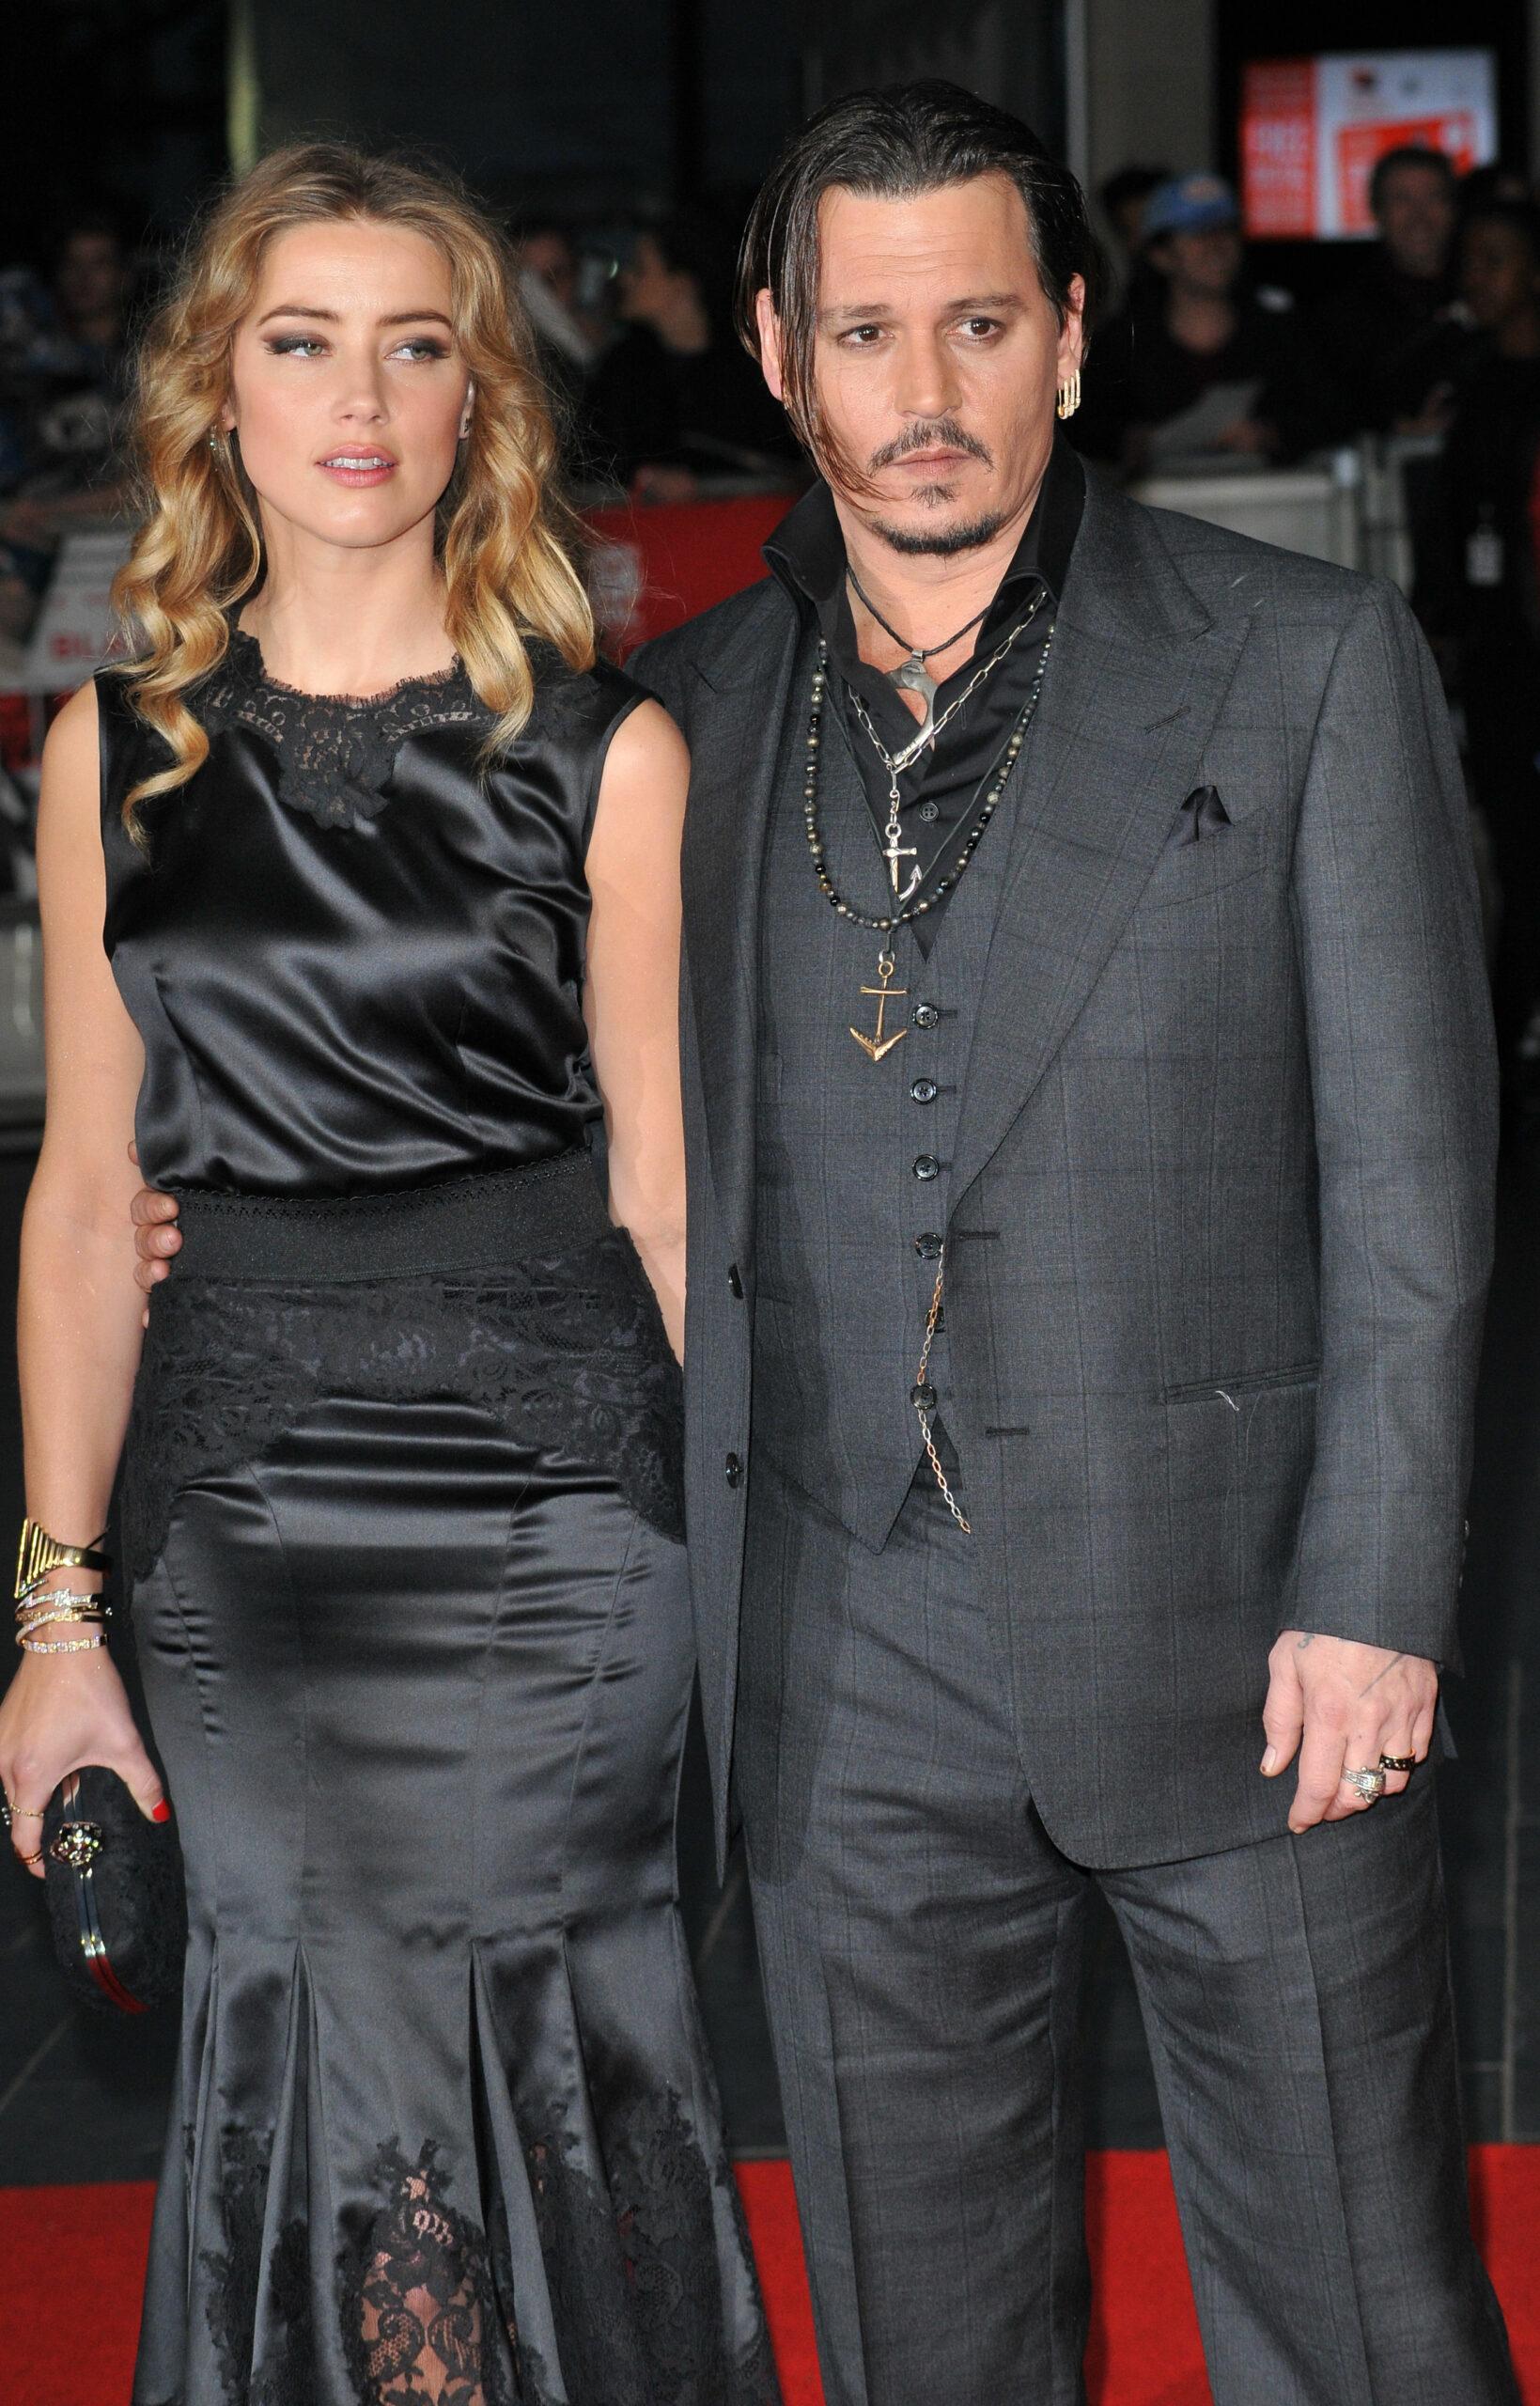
(355, 958)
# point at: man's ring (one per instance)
(1370, 1783)
(1398, 1763)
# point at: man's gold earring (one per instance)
(1069, 396)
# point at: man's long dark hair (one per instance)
(891, 144)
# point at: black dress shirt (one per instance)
(940, 795)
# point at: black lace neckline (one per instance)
(336, 752)
(246, 652)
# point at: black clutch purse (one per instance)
(115, 1894)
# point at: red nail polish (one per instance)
(162, 1812)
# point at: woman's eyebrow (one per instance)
(329, 317)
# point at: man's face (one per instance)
(936, 360)
(1416, 218)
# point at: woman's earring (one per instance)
(1069, 396)
(213, 438)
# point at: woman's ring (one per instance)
(1398, 1763)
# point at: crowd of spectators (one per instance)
(64, 345)
(1430, 339)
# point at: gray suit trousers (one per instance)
(921, 1945)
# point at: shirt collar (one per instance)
(806, 553)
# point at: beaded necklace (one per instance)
(878, 1044)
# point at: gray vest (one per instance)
(854, 1155)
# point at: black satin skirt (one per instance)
(446, 2127)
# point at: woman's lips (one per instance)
(360, 467)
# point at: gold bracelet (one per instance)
(38, 1553)
(44, 1600)
(61, 1646)
(66, 1616)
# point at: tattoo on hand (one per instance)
(1381, 1674)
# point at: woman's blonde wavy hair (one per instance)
(505, 540)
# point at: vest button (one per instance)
(928, 1246)
(927, 1166)
(925, 1089)
(733, 1471)
(928, 811)
(734, 1284)
(926, 1015)
(925, 1396)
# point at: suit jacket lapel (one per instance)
(736, 731)
(1137, 675)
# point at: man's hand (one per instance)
(156, 1236)
(1348, 1705)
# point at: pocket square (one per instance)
(1202, 814)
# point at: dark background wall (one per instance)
(582, 109)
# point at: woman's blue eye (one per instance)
(423, 347)
(290, 346)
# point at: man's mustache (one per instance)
(926, 437)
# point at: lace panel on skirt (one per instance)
(569, 1353)
(428, 2302)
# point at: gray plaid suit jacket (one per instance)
(1221, 1218)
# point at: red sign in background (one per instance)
(1278, 149)
(653, 568)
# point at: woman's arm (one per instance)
(78, 1318)
(631, 994)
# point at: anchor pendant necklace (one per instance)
(911, 675)
(878, 1044)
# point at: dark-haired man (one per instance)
(1089, 1080)
(1393, 336)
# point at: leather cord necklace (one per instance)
(911, 675)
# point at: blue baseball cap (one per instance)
(1190, 205)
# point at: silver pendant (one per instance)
(913, 677)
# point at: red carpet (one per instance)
(71, 2259)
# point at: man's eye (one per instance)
(981, 327)
(862, 338)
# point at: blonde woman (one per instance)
(359, 894)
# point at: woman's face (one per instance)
(347, 388)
